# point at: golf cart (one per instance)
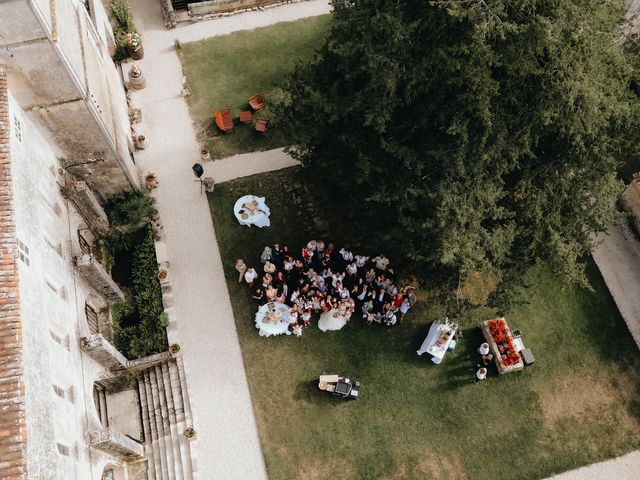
(340, 386)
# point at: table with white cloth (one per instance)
(438, 339)
(272, 318)
(259, 216)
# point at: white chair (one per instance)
(452, 345)
(436, 360)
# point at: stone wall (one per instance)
(631, 200)
(13, 430)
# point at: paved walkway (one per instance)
(626, 467)
(228, 445)
(618, 258)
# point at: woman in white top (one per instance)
(250, 276)
(481, 374)
(269, 267)
(288, 264)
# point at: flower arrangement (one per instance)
(133, 39)
(502, 336)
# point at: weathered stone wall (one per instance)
(63, 75)
(13, 429)
(52, 306)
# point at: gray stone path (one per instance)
(618, 258)
(228, 446)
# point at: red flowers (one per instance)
(502, 336)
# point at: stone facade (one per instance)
(13, 430)
(62, 74)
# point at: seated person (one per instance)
(485, 354)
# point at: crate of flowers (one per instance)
(501, 343)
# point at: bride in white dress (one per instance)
(331, 320)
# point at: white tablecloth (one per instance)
(429, 345)
(259, 217)
(331, 320)
(267, 329)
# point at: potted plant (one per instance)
(189, 432)
(174, 348)
(138, 142)
(134, 46)
(152, 181)
(162, 275)
(204, 154)
(155, 214)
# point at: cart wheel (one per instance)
(357, 383)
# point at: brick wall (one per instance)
(13, 431)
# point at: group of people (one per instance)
(324, 279)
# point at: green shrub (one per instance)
(146, 334)
(124, 25)
(129, 208)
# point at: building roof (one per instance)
(13, 431)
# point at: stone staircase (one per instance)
(165, 416)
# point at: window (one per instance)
(85, 247)
(65, 393)
(62, 340)
(55, 245)
(64, 450)
(23, 253)
(92, 319)
(17, 128)
(57, 289)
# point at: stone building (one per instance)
(71, 405)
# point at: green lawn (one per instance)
(225, 71)
(578, 404)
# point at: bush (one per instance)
(129, 208)
(139, 324)
(124, 25)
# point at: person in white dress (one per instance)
(250, 276)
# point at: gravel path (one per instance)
(228, 446)
(626, 467)
(618, 258)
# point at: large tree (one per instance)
(478, 134)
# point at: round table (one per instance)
(269, 322)
(258, 217)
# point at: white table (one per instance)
(259, 217)
(429, 345)
(266, 329)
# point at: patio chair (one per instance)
(262, 124)
(257, 101)
(224, 120)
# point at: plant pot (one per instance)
(136, 78)
(138, 142)
(204, 155)
(189, 432)
(174, 348)
(163, 275)
(137, 52)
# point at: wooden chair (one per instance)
(224, 120)
(262, 124)
(257, 101)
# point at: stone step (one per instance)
(183, 442)
(166, 414)
(165, 461)
(153, 433)
(171, 413)
(188, 419)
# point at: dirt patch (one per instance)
(440, 467)
(325, 470)
(575, 397)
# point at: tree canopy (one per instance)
(474, 135)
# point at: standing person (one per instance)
(307, 255)
(404, 307)
(411, 296)
(381, 262)
(250, 276)
(266, 255)
(277, 256)
(370, 276)
(258, 294)
(481, 374)
(269, 267)
(320, 248)
(241, 268)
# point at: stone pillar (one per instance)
(98, 348)
(116, 444)
(88, 206)
(96, 276)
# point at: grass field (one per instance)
(225, 71)
(578, 404)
